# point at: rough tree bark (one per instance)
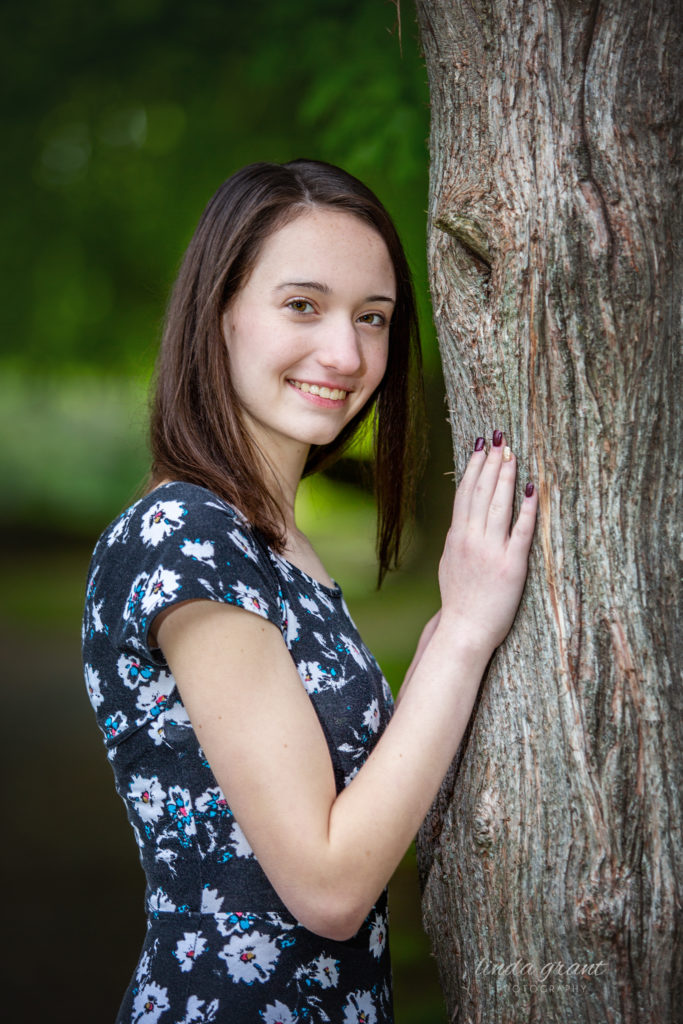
(551, 859)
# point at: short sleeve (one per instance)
(180, 543)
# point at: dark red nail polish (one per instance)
(479, 444)
(529, 489)
(497, 438)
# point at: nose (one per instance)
(340, 346)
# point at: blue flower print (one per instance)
(179, 806)
(132, 670)
(114, 724)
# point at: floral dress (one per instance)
(220, 944)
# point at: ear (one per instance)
(226, 324)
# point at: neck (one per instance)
(282, 467)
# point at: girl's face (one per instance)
(308, 333)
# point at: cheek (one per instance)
(377, 362)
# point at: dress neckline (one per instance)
(334, 590)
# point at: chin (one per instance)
(320, 438)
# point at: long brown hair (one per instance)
(197, 434)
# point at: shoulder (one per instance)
(180, 542)
(182, 516)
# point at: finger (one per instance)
(487, 480)
(500, 507)
(523, 530)
(463, 495)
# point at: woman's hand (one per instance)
(484, 563)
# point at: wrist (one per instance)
(470, 647)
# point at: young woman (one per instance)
(271, 787)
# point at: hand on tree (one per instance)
(484, 563)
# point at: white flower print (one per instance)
(166, 857)
(176, 714)
(323, 598)
(329, 650)
(239, 842)
(179, 806)
(159, 589)
(196, 1014)
(93, 684)
(278, 1013)
(244, 544)
(276, 921)
(250, 957)
(325, 971)
(149, 1004)
(187, 949)
(360, 1009)
(250, 599)
(120, 529)
(156, 729)
(378, 936)
(162, 519)
(211, 901)
(310, 605)
(161, 903)
(291, 624)
(132, 671)
(284, 567)
(371, 716)
(215, 595)
(147, 797)
(353, 650)
(97, 623)
(155, 696)
(200, 551)
(144, 965)
(316, 678)
(212, 803)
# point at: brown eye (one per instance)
(373, 319)
(300, 305)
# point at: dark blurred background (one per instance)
(118, 123)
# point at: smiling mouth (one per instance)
(336, 394)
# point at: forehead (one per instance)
(329, 245)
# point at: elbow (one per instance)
(333, 917)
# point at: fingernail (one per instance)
(497, 438)
(479, 444)
(529, 489)
(507, 454)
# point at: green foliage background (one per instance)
(119, 121)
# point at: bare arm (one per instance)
(330, 856)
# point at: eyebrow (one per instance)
(325, 289)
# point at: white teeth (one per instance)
(337, 394)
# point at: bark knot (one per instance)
(469, 233)
(486, 819)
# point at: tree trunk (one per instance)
(551, 859)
